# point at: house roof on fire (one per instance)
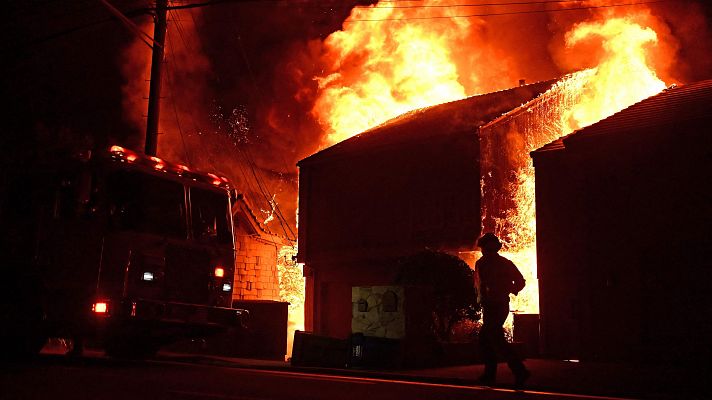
(456, 117)
(670, 107)
(247, 221)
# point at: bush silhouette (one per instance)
(451, 283)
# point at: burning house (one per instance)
(435, 178)
(438, 176)
(411, 183)
(623, 218)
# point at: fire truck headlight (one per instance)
(226, 287)
(148, 276)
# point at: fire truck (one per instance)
(119, 249)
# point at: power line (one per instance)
(245, 154)
(504, 13)
(514, 3)
(173, 99)
(146, 38)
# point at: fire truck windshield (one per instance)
(211, 218)
(146, 203)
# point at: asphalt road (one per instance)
(96, 377)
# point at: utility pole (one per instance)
(154, 92)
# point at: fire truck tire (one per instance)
(131, 347)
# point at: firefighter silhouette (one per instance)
(498, 277)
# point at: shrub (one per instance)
(451, 282)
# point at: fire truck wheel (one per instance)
(131, 347)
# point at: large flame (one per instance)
(622, 77)
(377, 71)
(291, 290)
(380, 71)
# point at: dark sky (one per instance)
(62, 79)
(62, 59)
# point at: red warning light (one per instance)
(219, 272)
(100, 307)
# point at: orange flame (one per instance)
(623, 76)
(377, 72)
(291, 290)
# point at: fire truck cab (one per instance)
(129, 251)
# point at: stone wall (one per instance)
(371, 314)
(256, 276)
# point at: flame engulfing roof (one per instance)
(674, 105)
(455, 117)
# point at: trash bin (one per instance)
(374, 352)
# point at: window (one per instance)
(146, 203)
(211, 216)
(362, 305)
(390, 301)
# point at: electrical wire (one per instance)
(146, 38)
(172, 95)
(248, 156)
(513, 3)
(245, 154)
(504, 13)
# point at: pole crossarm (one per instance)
(146, 38)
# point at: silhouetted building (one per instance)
(411, 183)
(624, 212)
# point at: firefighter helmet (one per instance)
(489, 240)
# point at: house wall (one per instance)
(256, 276)
(561, 273)
(623, 238)
(392, 200)
(364, 211)
(332, 285)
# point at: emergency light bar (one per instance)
(123, 154)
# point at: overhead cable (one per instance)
(513, 3)
(146, 38)
(504, 13)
